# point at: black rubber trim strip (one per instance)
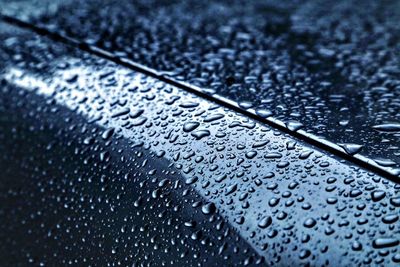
(322, 144)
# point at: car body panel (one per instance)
(108, 165)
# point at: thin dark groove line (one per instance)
(324, 145)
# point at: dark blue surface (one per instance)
(104, 165)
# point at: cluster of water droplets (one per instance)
(334, 76)
(131, 161)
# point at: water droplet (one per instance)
(251, 154)
(378, 195)
(265, 222)
(120, 112)
(309, 223)
(294, 125)
(385, 242)
(231, 189)
(107, 133)
(391, 218)
(189, 104)
(351, 149)
(190, 126)
(199, 134)
(387, 127)
(213, 117)
(208, 208)
(264, 113)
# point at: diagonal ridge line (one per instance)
(302, 135)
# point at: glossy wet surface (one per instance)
(334, 76)
(107, 165)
